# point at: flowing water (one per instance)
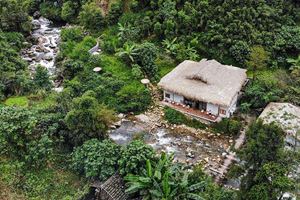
(45, 48)
(186, 149)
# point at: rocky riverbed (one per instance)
(46, 38)
(190, 146)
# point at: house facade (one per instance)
(205, 89)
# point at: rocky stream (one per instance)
(46, 37)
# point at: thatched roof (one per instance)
(207, 80)
(286, 115)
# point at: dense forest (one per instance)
(54, 144)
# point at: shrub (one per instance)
(51, 10)
(145, 56)
(228, 126)
(240, 52)
(14, 16)
(39, 152)
(134, 157)
(20, 139)
(80, 51)
(96, 159)
(41, 78)
(176, 117)
(91, 17)
(137, 72)
(133, 98)
(114, 13)
(68, 11)
(87, 119)
(71, 67)
(75, 34)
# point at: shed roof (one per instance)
(114, 188)
(207, 80)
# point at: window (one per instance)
(222, 111)
(167, 95)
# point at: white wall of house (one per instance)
(229, 110)
(227, 113)
(232, 107)
(173, 97)
(212, 108)
(178, 98)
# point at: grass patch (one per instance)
(113, 65)
(20, 101)
(46, 102)
(176, 117)
(48, 183)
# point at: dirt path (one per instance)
(231, 157)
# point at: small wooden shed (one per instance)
(112, 189)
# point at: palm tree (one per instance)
(171, 46)
(127, 53)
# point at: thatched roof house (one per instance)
(206, 81)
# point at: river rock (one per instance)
(113, 127)
(190, 155)
(35, 24)
(118, 123)
(36, 14)
(121, 115)
(48, 56)
(28, 59)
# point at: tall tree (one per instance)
(41, 78)
(258, 59)
(88, 119)
(265, 163)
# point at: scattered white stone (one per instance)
(145, 81)
(97, 69)
(121, 115)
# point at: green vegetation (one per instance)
(228, 126)
(20, 101)
(46, 136)
(164, 179)
(134, 156)
(96, 159)
(87, 119)
(49, 183)
(266, 163)
(176, 117)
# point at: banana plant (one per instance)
(190, 192)
(163, 180)
(127, 52)
(156, 182)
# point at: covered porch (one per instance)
(194, 109)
